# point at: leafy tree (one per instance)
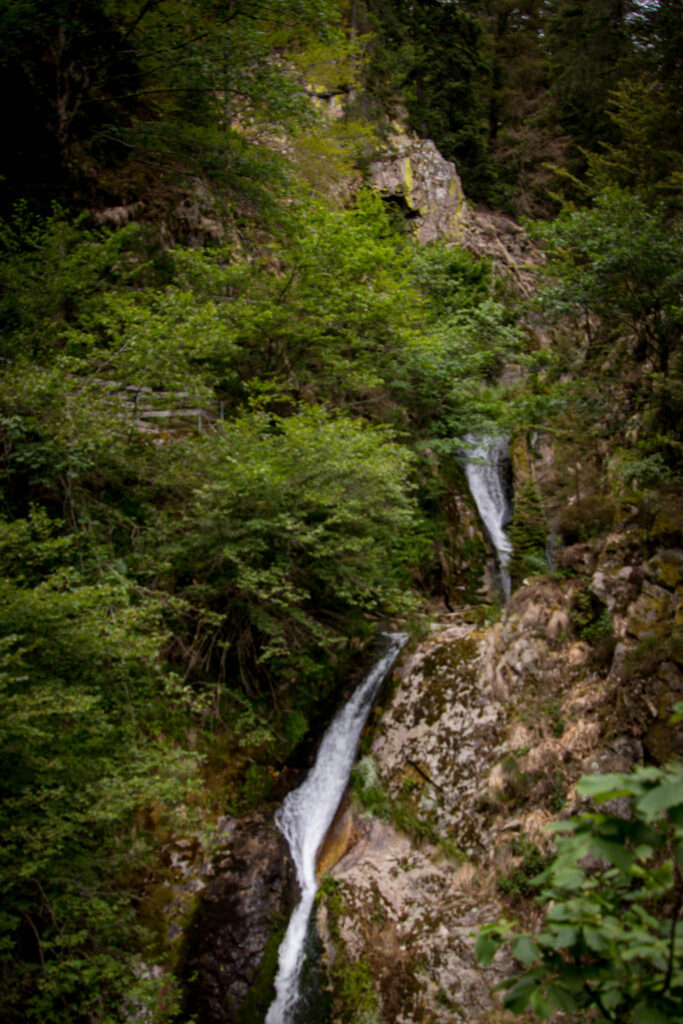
(293, 529)
(621, 261)
(612, 939)
(446, 380)
(155, 88)
(86, 742)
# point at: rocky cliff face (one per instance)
(416, 176)
(479, 748)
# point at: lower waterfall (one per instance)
(306, 815)
(486, 462)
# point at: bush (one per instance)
(612, 941)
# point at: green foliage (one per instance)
(293, 525)
(611, 941)
(621, 261)
(86, 742)
(528, 533)
(354, 986)
(518, 882)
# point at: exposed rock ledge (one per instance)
(416, 174)
(481, 746)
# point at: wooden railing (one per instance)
(166, 410)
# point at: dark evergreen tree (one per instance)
(437, 68)
(590, 48)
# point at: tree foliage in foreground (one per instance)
(92, 732)
(612, 939)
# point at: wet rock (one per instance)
(343, 833)
(240, 911)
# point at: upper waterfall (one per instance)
(486, 466)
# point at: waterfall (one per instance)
(486, 464)
(306, 815)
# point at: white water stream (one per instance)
(306, 815)
(485, 464)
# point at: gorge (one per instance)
(321, 319)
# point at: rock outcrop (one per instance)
(233, 941)
(415, 172)
(415, 175)
(479, 749)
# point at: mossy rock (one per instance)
(668, 525)
(651, 614)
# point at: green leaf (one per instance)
(661, 798)
(612, 852)
(519, 996)
(560, 997)
(539, 1005)
(595, 939)
(486, 947)
(644, 1014)
(603, 787)
(569, 878)
(524, 950)
(561, 936)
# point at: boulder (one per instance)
(242, 913)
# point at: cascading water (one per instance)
(306, 815)
(486, 463)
